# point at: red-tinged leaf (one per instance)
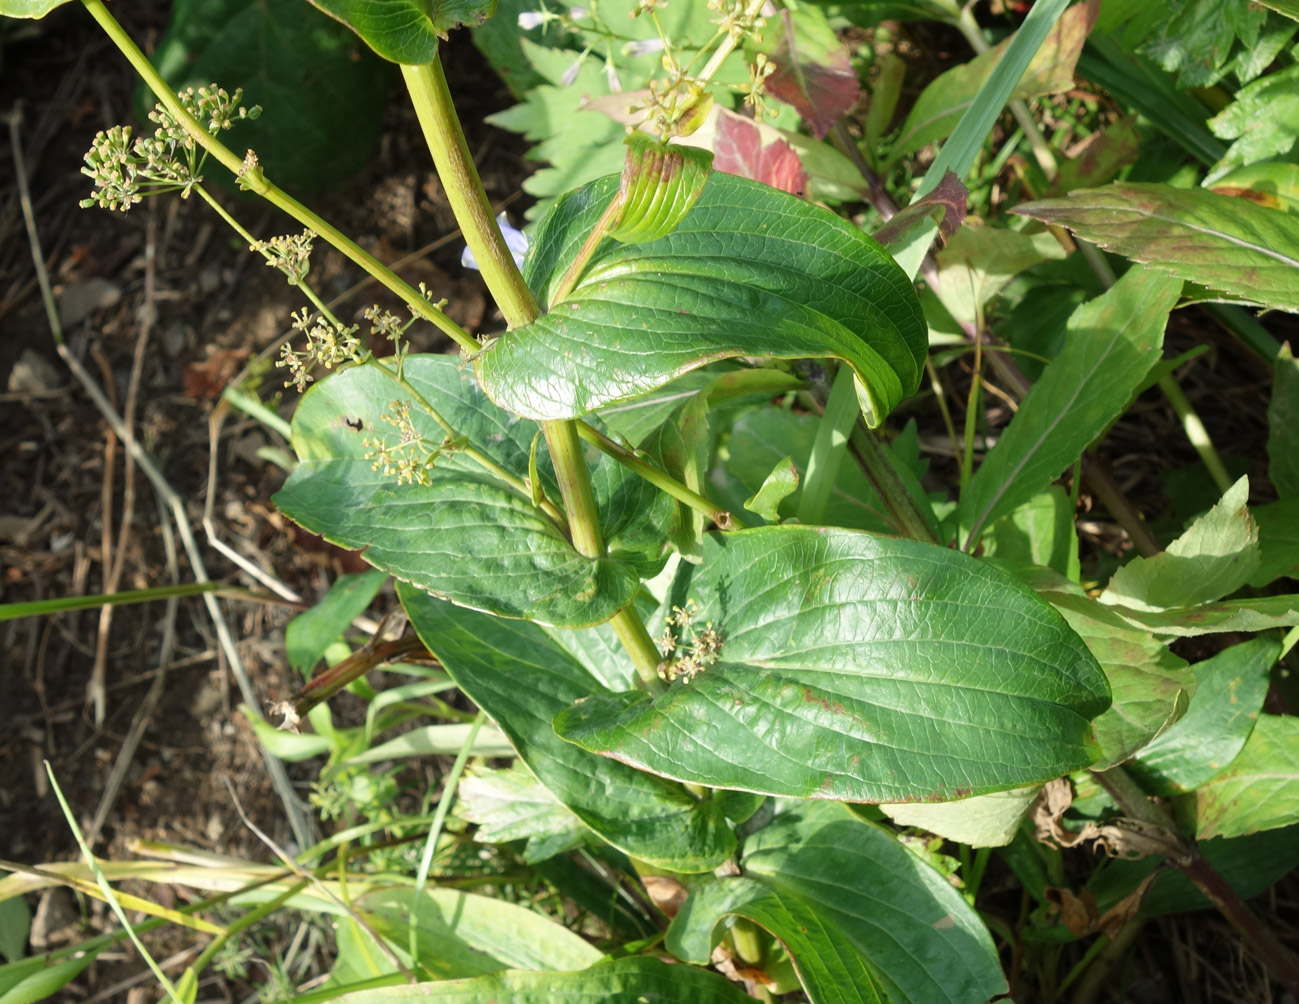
(945, 205)
(820, 83)
(740, 152)
(1099, 157)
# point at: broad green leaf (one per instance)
(466, 535)
(15, 925)
(461, 934)
(522, 678)
(1260, 790)
(979, 261)
(1112, 341)
(1039, 532)
(513, 805)
(308, 635)
(1229, 692)
(1151, 686)
(1278, 541)
(1245, 250)
(35, 979)
(406, 31)
(1263, 121)
(1290, 8)
(1283, 425)
(633, 980)
(35, 9)
(437, 740)
(982, 821)
(307, 74)
(781, 483)
(749, 272)
(1048, 69)
(863, 668)
(863, 918)
(1213, 558)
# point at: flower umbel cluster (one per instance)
(689, 649)
(411, 457)
(329, 344)
(289, 253)
(125, 170)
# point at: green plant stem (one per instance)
(435, 110)
(828, 449)
(729, 43)
(659, 479)
(1195, 431)
(877, 463)
(1042, 151)
(253, 179)
(1279, 960)
(446, 142)
(244, 922)
(33, 608)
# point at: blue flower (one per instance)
(515, 240)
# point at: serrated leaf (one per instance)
(734, 279)
(522, 678)
(1213, 558)
(1283, 425)
(1263, 121)
(1151, 686)
(306, 73)
(862, 917)
(406, 31)
(861, 668)
(1224, 243)
(513, 805)
(1229, 692)
(633, 980)
(1260, 790)
(982, 821)
(1196, 38)
(1112, 341)
(465, 536)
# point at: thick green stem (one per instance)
(911, 517)
(255, 181)
(437, 116)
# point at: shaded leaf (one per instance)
(513, 805)
(311, 632)
(979, 261)
(1100, 157)
(406, 31)
(734, 279)
(1229, 693)
(1039, 532)
(861, 668)
(863, 918)
(1278, 541)
(1233, 245)
(522, 678)
(982, 821)
(1213, 558)
(1246, 615)
(1260, 790)
(1283, 425)
(740, 152)
(1112, 341)
(623, 981)
(437, 740)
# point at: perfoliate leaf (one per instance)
(1283, 425)
(1260, 790)
(1229, 693)
(862, 917)
(1113, 341)
(1212, 559)
(523, 678)
(749, 272)
(406, 31)
(849, 666)
(659, 185)
(1233, 245)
